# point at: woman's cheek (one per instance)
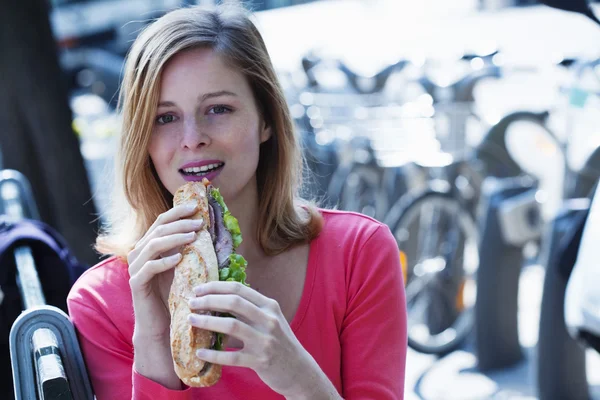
(227, 130)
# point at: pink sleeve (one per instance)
(374, 332)
(109, 359)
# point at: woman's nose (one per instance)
(193, 135)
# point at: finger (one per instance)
(158, 246)
(227, 303)
(229, 326)
(179, 226)
(236, 288)
(171, 215)
(152, 268)
(230, 358)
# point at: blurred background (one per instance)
(470, 127)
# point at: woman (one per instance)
(324, 317)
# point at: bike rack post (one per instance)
(46, 359)
(510, 218)
(50, 363)
(561, 366)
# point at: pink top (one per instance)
(351, 319)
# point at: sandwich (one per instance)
(211, 257)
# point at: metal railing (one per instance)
(43, 344)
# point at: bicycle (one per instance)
(382, 168)
(334, 123)
(439, 229)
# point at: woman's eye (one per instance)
(165, 119)
(220, 109)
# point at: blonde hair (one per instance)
(284, 219)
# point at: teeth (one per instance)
(204, 168)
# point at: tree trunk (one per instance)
(36, 137)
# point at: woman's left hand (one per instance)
(270, 347)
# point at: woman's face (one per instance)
(207, 125)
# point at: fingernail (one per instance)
(198, 289)
(193, 318)
(201, 353)
(198, 222)
(192, 234)
(190, 207)
(174, 257)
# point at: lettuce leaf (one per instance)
(223, 274)
(236, 272)
(219, 342)
(216, 194)
(231, 222)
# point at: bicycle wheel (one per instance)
(362, 192)
(359, 188)
(440, 239)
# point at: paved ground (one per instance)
(455, 376)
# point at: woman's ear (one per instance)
(265, 132)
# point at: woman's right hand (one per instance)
(151, 265)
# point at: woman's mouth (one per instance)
(209, 171)
(201, 171)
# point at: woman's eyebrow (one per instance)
(166, 104)
(220, 93)
(201, 98)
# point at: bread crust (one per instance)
(198, 265)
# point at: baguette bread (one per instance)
(198, 265)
